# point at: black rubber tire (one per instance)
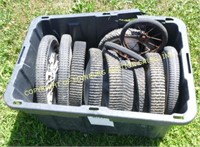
(140, 89)
(64, 64)
(114, 36)
(47, 43)
(172, 74)
(94, 82)
(128, 84)
(151, 22)
(115, 81)
(133, 54)
(77, 73)
(155, 83)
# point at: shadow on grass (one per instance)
(29, 131)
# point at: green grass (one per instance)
(17, 128)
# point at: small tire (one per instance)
(172, 74)
(115, 80)
(48, 44)
(146, 22)
(77, 73)
(130, 53)
(94, 82)
(155, 83)
(65, 52)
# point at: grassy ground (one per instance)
(18, 128)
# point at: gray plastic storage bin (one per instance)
(91, 27)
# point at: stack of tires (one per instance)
(132, 69)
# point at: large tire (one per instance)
(115, 81)
(128, 87)
(94, 82)
(64, 69)
(114, 36)
(172, 74)
(47, 45)
(155, 83)
(77, 73)
(147, 22)
(140, 90)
